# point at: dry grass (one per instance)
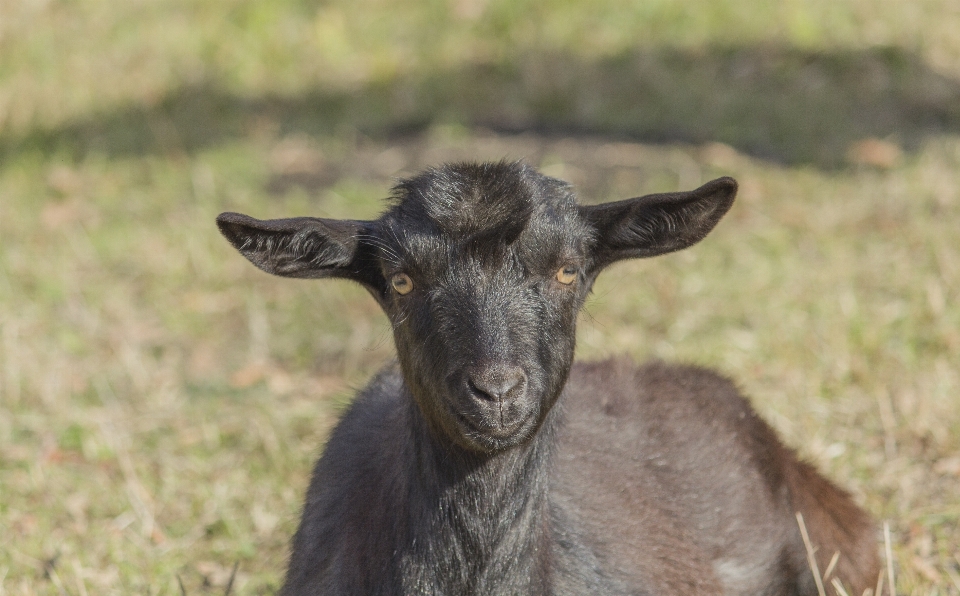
(161, 401)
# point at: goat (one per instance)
(485, 462)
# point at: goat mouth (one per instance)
(492, 434)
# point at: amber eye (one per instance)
(402, 283)
(566, 275)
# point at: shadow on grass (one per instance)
(783, 104)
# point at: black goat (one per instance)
(486, 463)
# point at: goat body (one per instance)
(485, 462)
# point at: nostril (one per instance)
(495, 384)
(478, 391)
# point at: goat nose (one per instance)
(495, 383)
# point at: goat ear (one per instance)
(656, 224)
(305, 247)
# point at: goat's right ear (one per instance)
(306, 247)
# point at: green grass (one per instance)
(161, 401)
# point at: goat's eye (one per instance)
(402, 284)
(566, 275)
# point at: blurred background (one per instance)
(162, 401)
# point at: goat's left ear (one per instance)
(656, 224)
(306, 247)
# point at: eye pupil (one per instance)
(402, 284)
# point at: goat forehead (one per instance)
(479, 199)
(550, 239)
(499, 214)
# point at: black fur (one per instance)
(485, 463)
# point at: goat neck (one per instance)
(486, 512)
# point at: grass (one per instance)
(161, 401)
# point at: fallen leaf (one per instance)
(876, 153)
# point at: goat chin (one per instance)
(484, 461)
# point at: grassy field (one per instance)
(161, 401)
